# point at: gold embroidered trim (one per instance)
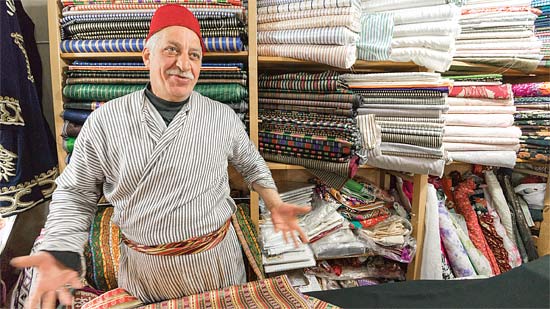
(10, 112)
(11, 7)
(15, 194)
(7, 166)
(18, 39)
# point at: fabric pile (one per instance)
(483, 229)
(410, 109)
(532, 101)
(309, 120)
(90, 84)
(315, 30)
(499, 33)
(542, 29)
(122, 26)
(423, 32)
(479, 127)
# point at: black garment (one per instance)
(526, 286)
(166, 109)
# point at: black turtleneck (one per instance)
(166, 109)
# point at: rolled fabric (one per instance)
(457, 255)
(432, 268)
(478, 260)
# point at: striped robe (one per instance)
(166, 184)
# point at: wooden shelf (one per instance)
(137, 55)
(283, 63)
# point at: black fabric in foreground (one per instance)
(527, 286)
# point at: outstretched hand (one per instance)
(284, 218)
(53, 281)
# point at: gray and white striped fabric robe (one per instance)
(166, 184)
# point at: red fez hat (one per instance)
(175, 15)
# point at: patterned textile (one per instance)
(418, 140)
(495, 241)
(68, 144)
(375, 37)
(326, 104)
(307, 5)
(323, 156)
(70, 129)
(344, 169)
(489, 92)
(302, 82)
(189, 246)
(457, 255)
(308, 14)
(275, 292)
(314, 36)
(403, 101)
(531, 89)
(104, 27)
(90, 18)
(330, 97)
(216, 44)
(343, 20)
(462, 206)
(308, 130)
(479, 261)
(99, 92)
(246, 232)
(336, 56)
(28, 159)
(83, 2)
(102, 251)
(83, 296)
(311, 109)
(226, 93)
(96, 80)
(75, 115)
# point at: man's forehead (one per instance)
(169, 38)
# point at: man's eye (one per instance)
(171, 50)
(195, 56)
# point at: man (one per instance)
(160, 155)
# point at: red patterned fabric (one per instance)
(464, 207)
(486, 92)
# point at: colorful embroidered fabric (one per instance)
(275, 292)
(531, 89)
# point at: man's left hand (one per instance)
(284, 218)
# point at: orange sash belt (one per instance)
(188, 246)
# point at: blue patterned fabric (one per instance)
(28, 161)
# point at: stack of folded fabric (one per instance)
(297, 193)
(315, 30)
(532, 101)
(499, 33)
(423, 32)
(122, 25)
(542, 29)
(479, 127)
(309, 120)
(410, 109)
(90, 84)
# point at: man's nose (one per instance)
(184, 63)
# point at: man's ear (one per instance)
(145, 55)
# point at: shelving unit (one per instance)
(256, 64)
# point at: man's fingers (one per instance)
(285, 237)
(75, 282)
(294, 239)
(303, 235)
(300, 210)
(64, 296)
(26, 261)
(48, 300)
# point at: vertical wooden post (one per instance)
(57, 66)
(418, 218)
(543, 243)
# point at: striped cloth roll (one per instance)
(308, 5)
(218, 44)
(313, 22)
(336, 56)
(299, 15)
(315, 36)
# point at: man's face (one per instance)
(174, 64)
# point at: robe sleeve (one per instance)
(74, 202)
(247, 160)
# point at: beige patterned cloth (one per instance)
(336, 56)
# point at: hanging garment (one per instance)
(28, 161)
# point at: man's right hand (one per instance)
(53, 280)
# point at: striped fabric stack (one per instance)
(122, 25)
(323, 31)
(499, 33)
(479, 127)
(542, 29)
(90, 84)
(532, 101)
(308, 119)
(423, 32)
(410, 109)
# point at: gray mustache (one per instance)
(180, 73)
